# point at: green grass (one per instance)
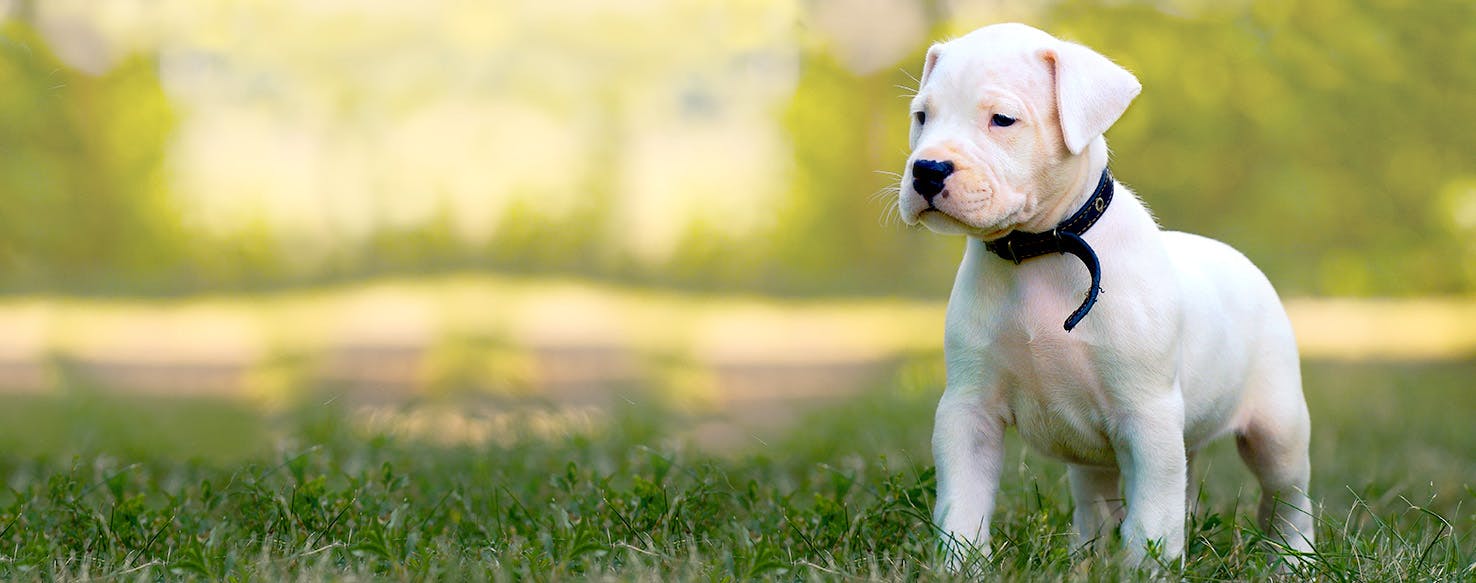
(98, 487)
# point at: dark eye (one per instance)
(922, 117)
(1003, 121)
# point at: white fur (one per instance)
(1187, 343)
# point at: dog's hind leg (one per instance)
(1099, 504)
(1274, 444)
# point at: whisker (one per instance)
(909, 75)
(885, 217)
(892, 216)
(886, 196)
(885, 193)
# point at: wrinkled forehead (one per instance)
(992, 59)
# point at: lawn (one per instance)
(168, 488)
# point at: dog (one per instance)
(1186, 342)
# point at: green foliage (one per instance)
(1317, 137)
(835, 229)
(407, 249)
(82, 190)
(529, 240)
(1330, 141)
(1326, 140)
(708, 258)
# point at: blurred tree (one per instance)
(1327, 140)
(837, 228)
(84, 202)
(1313, 135)
(1330, 141)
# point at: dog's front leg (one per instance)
(968, 449)
(1150, 454)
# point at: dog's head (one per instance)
(1001, 123)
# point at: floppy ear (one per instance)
(1091, 92)
(929, 61)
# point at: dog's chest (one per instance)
(1007, 326)
(1056, 394)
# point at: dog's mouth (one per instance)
(938, 214)
(994, 233)
(973, 213)
(934, 218)
(997, 233)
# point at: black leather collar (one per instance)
(1065, 238)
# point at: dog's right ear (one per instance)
(929, 62)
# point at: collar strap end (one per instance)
(1065, 238)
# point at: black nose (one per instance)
(928, 176)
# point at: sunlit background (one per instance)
(587, 201)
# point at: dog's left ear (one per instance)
(929, 62)
(1091, 92)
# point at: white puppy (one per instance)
(1187, 342)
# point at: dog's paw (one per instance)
(962, 556)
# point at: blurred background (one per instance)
(590, 203)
